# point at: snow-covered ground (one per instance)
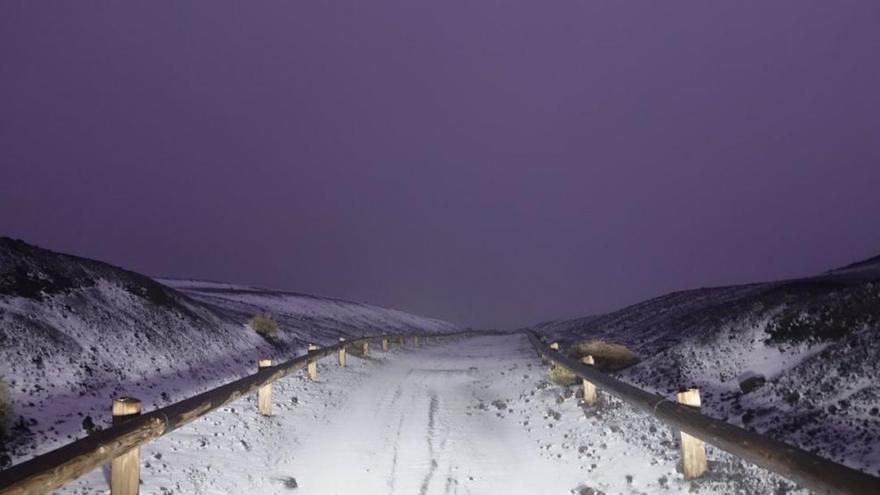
(75, 333)
(471, 416)
(814, 343)
(307, 317)
(466, 416)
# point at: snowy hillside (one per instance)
(799, 359)
(74, 333)
(319, 319)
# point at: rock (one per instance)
(586, 490)
(791, 397)
(89, 425)
(751, 381)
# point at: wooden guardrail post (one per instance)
(693, 450)
(342, 353)
(313, 364)
(264, 393)
(125, 469)
(384, 344)
(366, 348)
(402, 340)
(590, 393)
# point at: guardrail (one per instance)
(807, 470)
(120, 442)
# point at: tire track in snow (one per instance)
(387, 408)
(394, 398)
(432, 413)
(393, 478)
(383, 420)
(451, 487)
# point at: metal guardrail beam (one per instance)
(807, 470)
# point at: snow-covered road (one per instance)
(416, 426)
(466, 416)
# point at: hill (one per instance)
(797, 359)
(75, 333)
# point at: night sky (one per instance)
(494, 163)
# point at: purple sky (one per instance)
(495, 163)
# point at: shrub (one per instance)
(356, 350)
(264, 325)
(6, 416)
(607, 356)
(560, 375)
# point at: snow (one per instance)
(472, 415)
(821, 394)
(301, 306)
(66, 355)
(192, 284)
(469, 416)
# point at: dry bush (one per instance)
(264, 325)
(608, 356)
(560, 375)
(356, 350)
(6, 415)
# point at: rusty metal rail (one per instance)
(807, 470)
(49, 471)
